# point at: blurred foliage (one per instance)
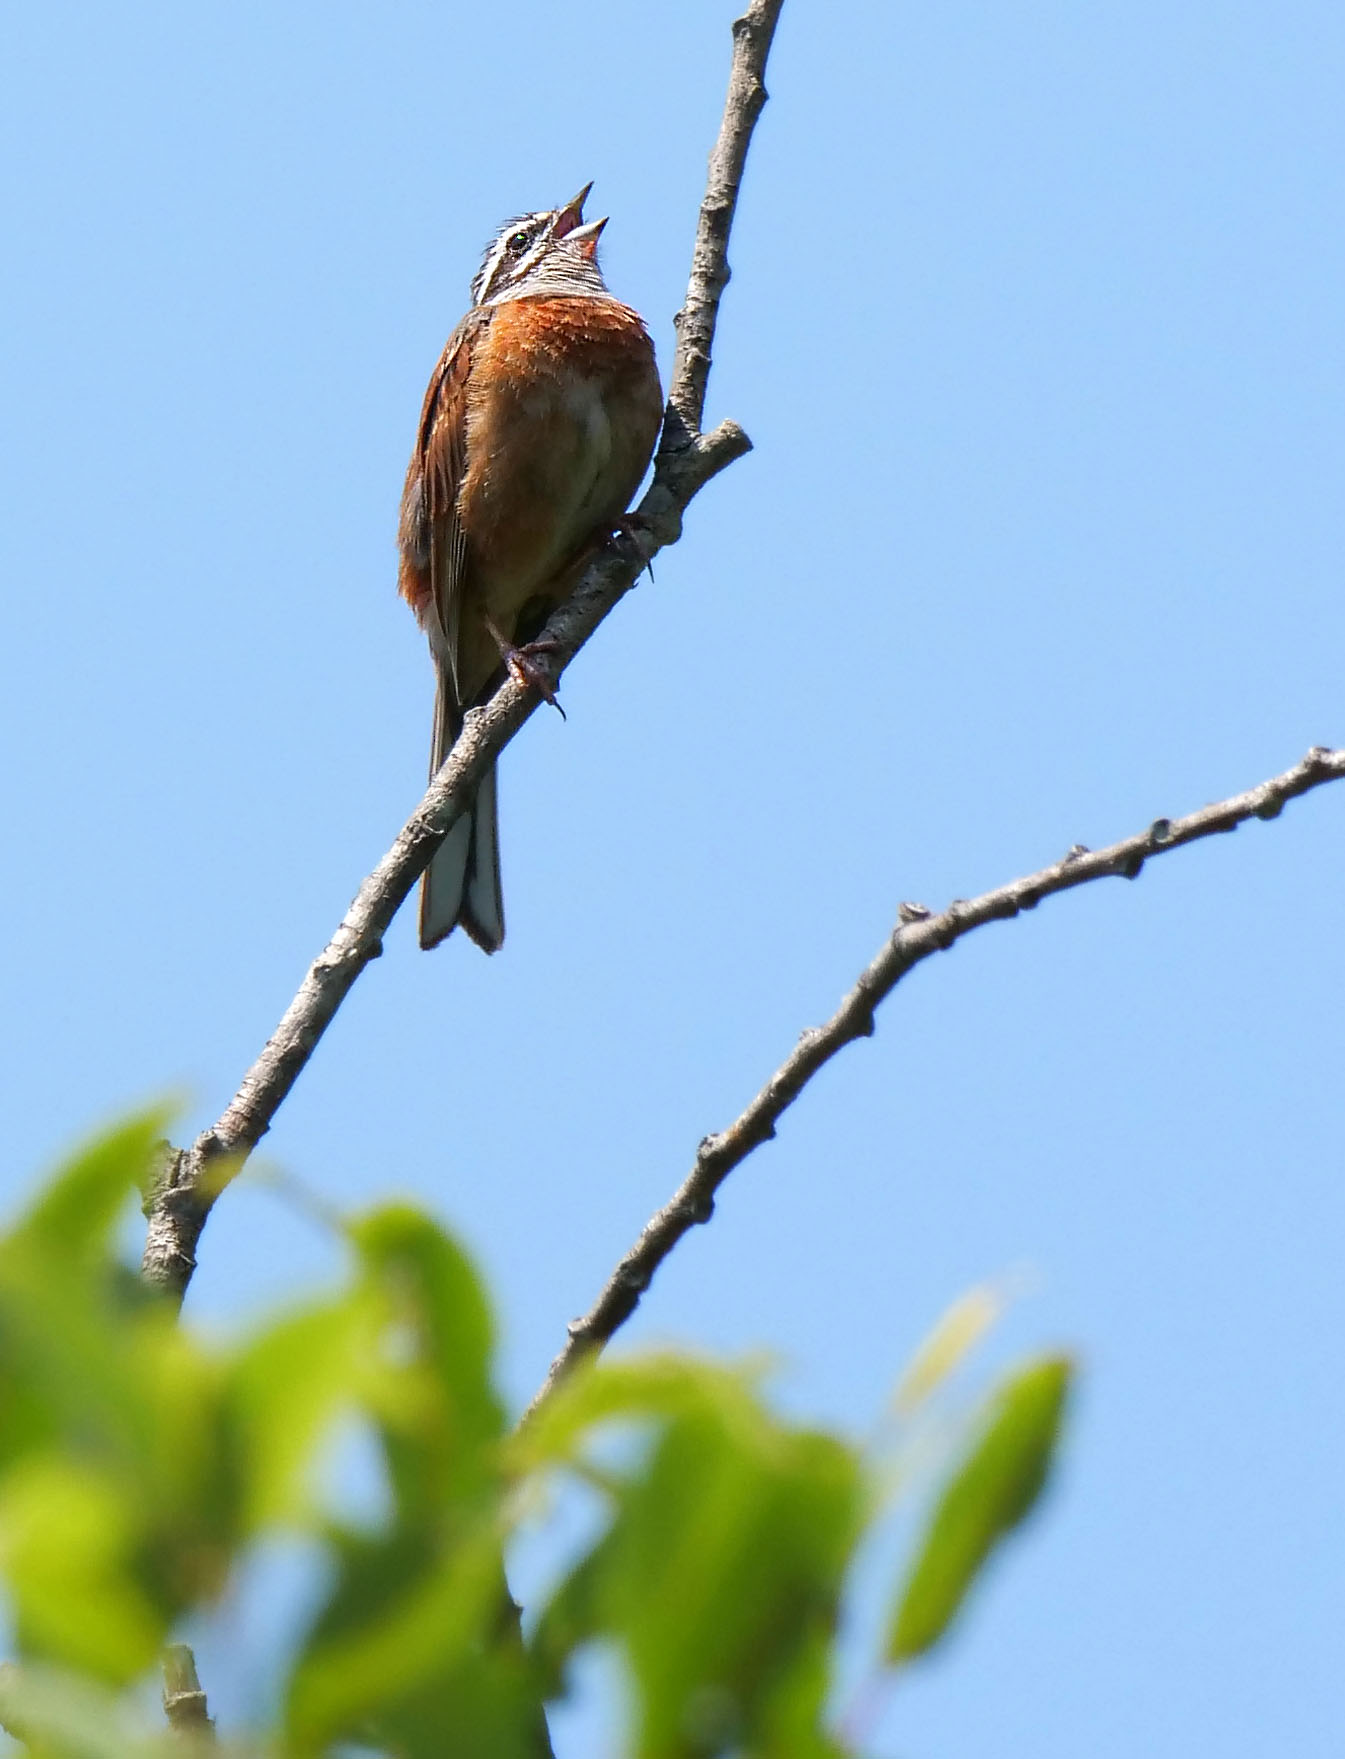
(141, 1466)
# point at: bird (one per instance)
(538, 424)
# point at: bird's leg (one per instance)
(529, 665)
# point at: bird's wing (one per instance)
(433, 548)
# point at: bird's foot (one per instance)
(627, 537)
(533, 666)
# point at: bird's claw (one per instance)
(627, 537)
(532, 666)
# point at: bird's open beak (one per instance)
(586, 237)
(571, 215)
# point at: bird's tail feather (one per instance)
(462, 882)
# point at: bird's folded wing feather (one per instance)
(431, 533)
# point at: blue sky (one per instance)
(1035, 322)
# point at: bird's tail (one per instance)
(462, 882)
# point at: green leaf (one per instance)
(791, 1723)
(73, 1216)
(67, 1544)
(400, 1641)
(285, 1393)
(947, 1346)
(441, 1420)
(185, 1474)
(657, 1385)
(417, 1648)
(721, 1574)
(568, 1621)
(65, 1363)
(61, 1715)
(989, 1494)
(116, 1511)
(410, 1345)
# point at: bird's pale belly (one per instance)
(544, 502)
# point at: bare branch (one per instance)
(191, 1180)
(183, 1699)
(752, 37)
(919, 933)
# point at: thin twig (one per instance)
(190, 1180)
(919, 934)
(752, 37)
(183, 1699)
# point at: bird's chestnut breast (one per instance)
(563, 408)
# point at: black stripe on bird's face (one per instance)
(516, 251)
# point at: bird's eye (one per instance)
(518, 242)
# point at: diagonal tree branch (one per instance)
(919, 933)
(190, 1180)
(752, 36)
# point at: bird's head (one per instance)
(542, 254)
